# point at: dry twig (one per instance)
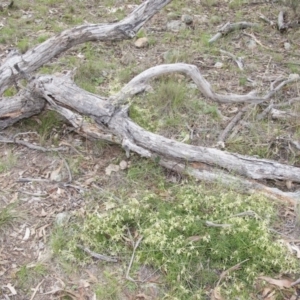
(233, 122)
(238, 60)
(234, 268)
(36, 289)
(97, 255)
(131, 260)
(67, 167)
(29, 145)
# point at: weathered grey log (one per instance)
(41, 54)
(24, 105)
(62, 92)
(108, 117)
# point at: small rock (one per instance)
(141, 42)
(175, 25)
(26, 16)
(218, 65)
(287, 46)
(123, 165)
(187, 19)
(41, 245)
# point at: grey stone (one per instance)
(287, 46)
(187, 19)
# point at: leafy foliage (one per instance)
(177, 241)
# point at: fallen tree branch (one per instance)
(231, 125)
(30, 146)
(44, 52)
(63, 93)
(231, 27)
(237, 183)
(107, 118)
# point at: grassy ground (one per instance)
(172, 237)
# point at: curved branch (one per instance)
(63, 92)
(140, 83)
(108, 118)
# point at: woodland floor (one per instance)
(103, 68)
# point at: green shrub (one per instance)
(177, 241)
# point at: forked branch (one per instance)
(108, 118)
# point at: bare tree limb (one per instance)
(107, 118)
(227, 28)
(41, 54)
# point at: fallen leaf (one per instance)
(281, 283)
(216, 294)
(11, 289)
(268, 294)
(43, 213)
(27, 234)
(141, 297)
(93, 278)
(89, 181)
(84, 283)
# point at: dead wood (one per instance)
(108, 117)
(237, 60)
(113, 124)
(282, 26)
(205, 173)
(29, 145)
(233, 122)
(41, 54)
(228, 27)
